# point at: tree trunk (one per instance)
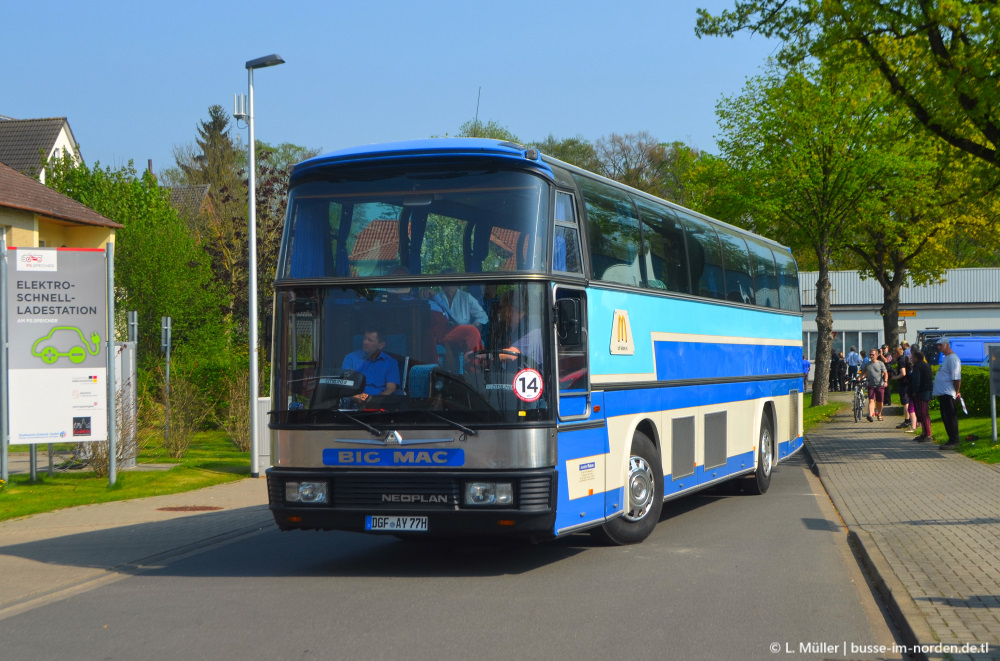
(824, 328)
(890, 308)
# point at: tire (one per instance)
(761, 479)
(859, 402)
(644, 495)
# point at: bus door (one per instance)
(582, 442)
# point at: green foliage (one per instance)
(475, 128)
(975, 389)
(805, 148)
(284, 156)
(939, 59)
(186, 407)
(575, 151)
(159, 270)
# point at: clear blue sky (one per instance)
(135, 78)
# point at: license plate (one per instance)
(396, 523)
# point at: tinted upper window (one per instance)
(788, 280)
(705, 258)
(765, 278)
(613, 233)
(417, 222)
(663, 247)
(739, 281)
(566, 236)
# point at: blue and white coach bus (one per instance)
(471, 337)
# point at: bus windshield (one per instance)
(416, 222)
(405, 355)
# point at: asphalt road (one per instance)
(722, 577)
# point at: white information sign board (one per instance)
(57, 328)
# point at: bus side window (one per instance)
(705, 255)
(566, 241)
(765, 278)
(613, 233)
(739, 282)
(663, 249)
(788, 280)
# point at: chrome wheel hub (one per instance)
(641, 489)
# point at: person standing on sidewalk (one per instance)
(877, 375)
(853, 363)
(921, 386)
(948, 390)
(901, 375)
(805, 374)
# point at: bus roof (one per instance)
(477, 147)
(432, 147)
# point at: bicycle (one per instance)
(860, 400)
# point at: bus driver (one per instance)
(380, 369)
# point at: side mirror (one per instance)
(568, 322)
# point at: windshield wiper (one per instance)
(452, 423)
(374, 431)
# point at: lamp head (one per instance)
(266, 61)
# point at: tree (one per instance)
(159, 269)
(634, 159)
(474, 128)
(806, 143)
(575, 151)
(939, 58)
(933, 194)
(218, 160)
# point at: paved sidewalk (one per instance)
(47, 556)
(927, 524)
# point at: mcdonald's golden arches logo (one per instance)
(621, 335)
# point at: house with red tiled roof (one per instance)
(376, 250)
(25, 143)
(32, 215)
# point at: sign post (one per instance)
(4, 428)
(994, 350)
(165, 347)
(109, 265)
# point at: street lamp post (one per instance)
(259, 63)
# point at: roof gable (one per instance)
(189, 201)
(19, 191)
(21, 140)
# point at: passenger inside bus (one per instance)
(519, 334)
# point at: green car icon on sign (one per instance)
(79, 347)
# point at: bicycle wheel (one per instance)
(858, 405)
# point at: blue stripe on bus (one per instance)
(788, 448)
(736, 464)
(649, 314)
(674, 360)
(589, 509)
(645, 400)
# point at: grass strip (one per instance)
(211, 460)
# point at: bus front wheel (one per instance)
(761, 479)
(643, 496)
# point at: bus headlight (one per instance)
(305, 492)
(489, 493)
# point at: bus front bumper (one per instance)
(353, 497)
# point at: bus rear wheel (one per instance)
(643, 496)
(761, 479)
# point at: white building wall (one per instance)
(967, 300)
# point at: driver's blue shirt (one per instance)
(379, 371)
